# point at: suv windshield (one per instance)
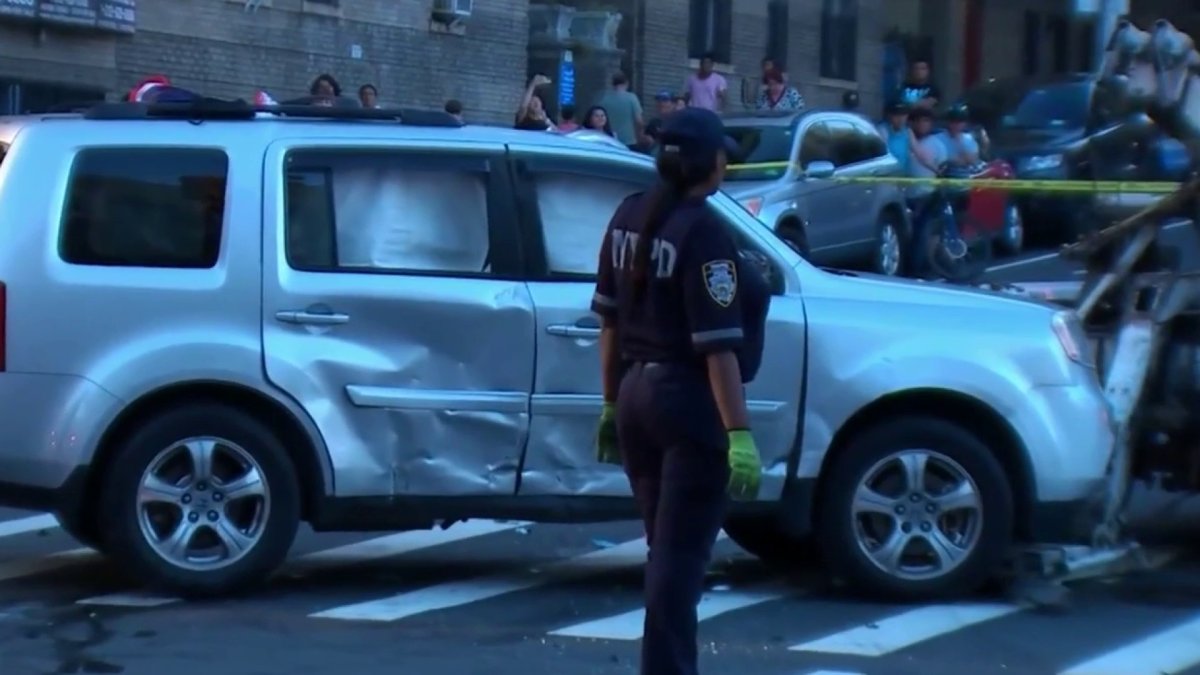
(759, 145)
(1059, 106)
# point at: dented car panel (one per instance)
(418, 383)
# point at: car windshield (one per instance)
(1058, 106)
(763, 152)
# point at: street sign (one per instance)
(566, 79)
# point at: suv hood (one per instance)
(857, 286)
(1017, 142)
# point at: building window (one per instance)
(145, 207)
(1032, 42)
(777, 32)
(710, 29)
(839, 40)
(1085, 43)
(1060, 36)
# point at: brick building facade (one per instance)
(231, 47)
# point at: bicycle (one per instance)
(960, 232)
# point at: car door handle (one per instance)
(578, 330)
(302, 317)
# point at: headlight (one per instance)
(753, 205)
(1072, 338)
(1041, 162)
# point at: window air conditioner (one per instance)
(452, 11)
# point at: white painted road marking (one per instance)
(1051, 256)
(350, 554)
(628, 626)
(459, 593)
(905, 630)
(128, 600)
(12, 528)
(1165, 653)
(28, 567)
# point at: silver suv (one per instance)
(788, 178)
(218, 322)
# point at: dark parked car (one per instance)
(1060, 129)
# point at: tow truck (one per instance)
(1141, 312)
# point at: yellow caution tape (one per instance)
(1012, 185)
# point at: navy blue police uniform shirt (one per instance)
(700, 299)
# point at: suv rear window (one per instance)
(145, 207)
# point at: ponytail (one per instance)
(663, 200)
(677, 177)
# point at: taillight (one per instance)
(3, 326)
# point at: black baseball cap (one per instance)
(695, 132)
(897, 108)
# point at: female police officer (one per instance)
(683, 329)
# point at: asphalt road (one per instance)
(1045, 265)
(487, 598)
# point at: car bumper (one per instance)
(50, 426)
(1069, 442)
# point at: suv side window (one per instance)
(371, 211)
(145, 207)
(573, 200)
(816, 146)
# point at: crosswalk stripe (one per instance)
(905, 630)
(12, 528)
(1165, 653)
(458, 593)
(128, 600)
(28, 567)
(350, 554)
(628, 626)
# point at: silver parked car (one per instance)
(215, 326)
(788, 162)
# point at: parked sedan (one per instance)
(787, 176)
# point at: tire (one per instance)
(962, 270)
(888, 256)
(82, 532)
(1012, 239)
(793, 234)
(237, 443)
(848, 541)
(762, 537)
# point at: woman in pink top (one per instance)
(706, 88)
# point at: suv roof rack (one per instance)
(203, 109)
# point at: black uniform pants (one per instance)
(675, 452)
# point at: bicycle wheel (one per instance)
(964, 261)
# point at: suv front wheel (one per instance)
(202, 500)
(915, 508)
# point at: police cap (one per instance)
(695, 132)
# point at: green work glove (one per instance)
(745, 466)
(606, 436)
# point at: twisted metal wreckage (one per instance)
(1142, 313)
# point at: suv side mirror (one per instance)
(819, 169)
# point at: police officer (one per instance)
(683, 321)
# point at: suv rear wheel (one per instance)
(915, 508)
(203, 500)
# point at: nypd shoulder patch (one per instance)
(720, 279)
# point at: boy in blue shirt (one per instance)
(894, 129)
